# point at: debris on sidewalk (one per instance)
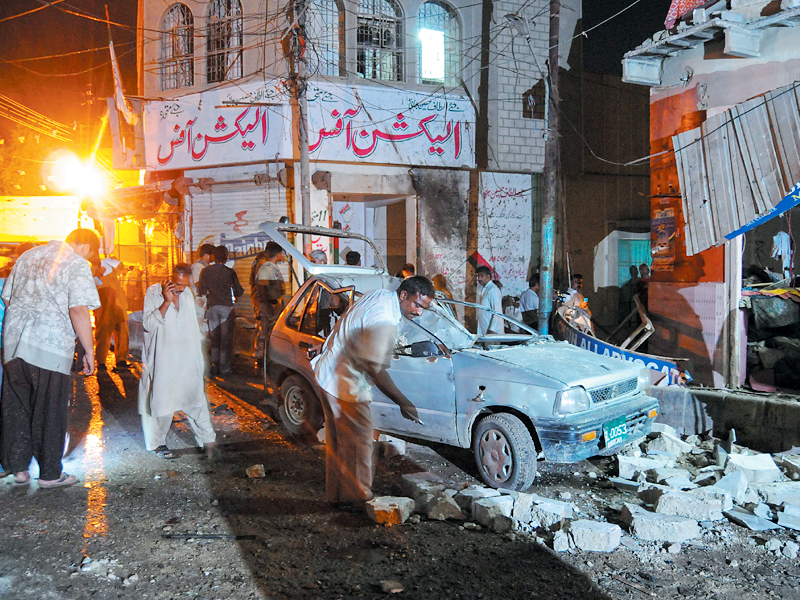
(256, 472)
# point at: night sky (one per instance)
(57, 87)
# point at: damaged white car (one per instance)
(510, 398)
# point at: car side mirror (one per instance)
(423, 349)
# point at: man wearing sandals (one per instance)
(48, 296)
(172, 365)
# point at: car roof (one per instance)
(277, 231)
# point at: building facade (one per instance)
(425, 124)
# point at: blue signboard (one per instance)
(587, 342)
(791, 200)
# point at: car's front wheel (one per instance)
(504, 452)
(299, 410)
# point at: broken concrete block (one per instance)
(408, 481)
(720, 456)
(561, 541)
(682, 504)
(467, 496)
(679, 482)
(256, 472)
(790, 509)
(790, 549)
(391, 446)
(758, 469)
(747, 519)
(503, 524)
(660, 474)
(390, 510)
(773, 544)
(649, 493)
(734, 484)
(785, 492)
(486, 509)
(625, 485)
(595, 536)
(789, 521)
(664, 428)
(655, 527)
(724, 498)
(444, 507)
(762, 510)
(705, 478)
(630, 468)
(546, 511)
(669, 443)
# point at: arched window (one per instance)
(439, 35)
(224, 40)
(325, 43)
(381, 51)
(177, 48)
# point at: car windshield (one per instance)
(438, 321)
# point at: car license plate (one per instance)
(615, 431)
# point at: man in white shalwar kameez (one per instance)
(490, 296)
(172, 365)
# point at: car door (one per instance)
(427, 381)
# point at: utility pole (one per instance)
(552, 174)
(300, 85)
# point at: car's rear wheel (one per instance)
(504, 452)
(299, 409)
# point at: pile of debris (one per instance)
(676, 488)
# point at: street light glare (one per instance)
(69, 174)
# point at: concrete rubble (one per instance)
(678, 488)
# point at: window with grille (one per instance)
(224, 41)
(439, 36)
(324, 45)
(380, 53)
(177, 48)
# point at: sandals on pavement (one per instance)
(65, 480)
(164, 452)
(17, 482)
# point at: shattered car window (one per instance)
(438, 322)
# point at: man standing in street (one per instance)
(172, 365)
(267, 292)
(206, 256)
(490, 296)
(220, 285)
(358, 351)
(529, 303)
(48, 296)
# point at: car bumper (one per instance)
(578, 437)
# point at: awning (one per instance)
(740, 168)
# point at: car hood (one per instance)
(565, 363)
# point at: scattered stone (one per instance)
(471, 525)
(444, 507)
(414, 519)
(561, 541)
(408, 481)
(705, 478)
(669, 443)
(664, 428)
(791, 464)
(757, 469)
(565, 495)
(747, 519)
(656, 527)
(130, 580)
(773, 544)
(660, 474)
(649, 493)
(503, 524)
(625, 485)
(389, 586)
(763, 511)
(789, 521)
(467, 496)
(390, 510)
(790, 549)
(256, 472)
(715, 493)
(391, 446)
(786, 492)
(674, 548)
(734, 484)
(630, 467)
(679, 482)
(485, 510)
(424, 488)
(682, 504)
(594, 536)
(790, 509)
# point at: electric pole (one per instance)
(552, 177)
(300, 84)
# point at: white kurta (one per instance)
(172, 359)
(491, 297)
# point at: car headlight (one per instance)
(644, 380)
(571, 401)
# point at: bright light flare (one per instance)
(69, 174)
(432, 54)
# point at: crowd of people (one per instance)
(188, 324)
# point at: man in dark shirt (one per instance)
(220, 285)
